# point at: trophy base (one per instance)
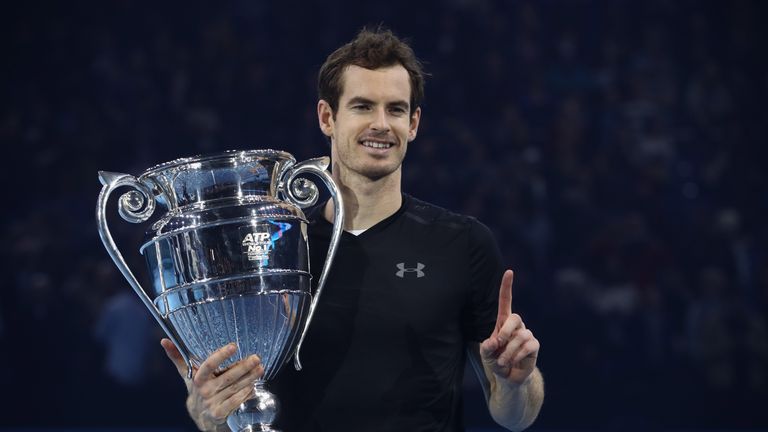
(255, 414)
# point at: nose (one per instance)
(380, 122)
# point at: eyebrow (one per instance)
(361, 100)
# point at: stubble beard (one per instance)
(368, 169)
(373, 172)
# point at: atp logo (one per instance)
(256, 246)
(259, 240)
(402, 270)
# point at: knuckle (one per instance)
(218, 413)
(206, 404)
(198, 380)
(255, 363)
(206, 368)
(206, 364)
(517, 321)
(485, 347)
(244, 393)
(256, 372)
(215, 359)
(206, 392)
(226, 379)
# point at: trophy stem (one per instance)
(257, 413)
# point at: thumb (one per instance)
(173, 353)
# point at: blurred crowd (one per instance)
(616, 149)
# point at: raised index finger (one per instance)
(210, 364)
(505, 297)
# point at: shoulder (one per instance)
(424, 213)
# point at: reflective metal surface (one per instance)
(229, 258)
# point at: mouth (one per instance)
(376, 143)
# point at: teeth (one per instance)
(377, 145)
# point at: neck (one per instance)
(366, 201)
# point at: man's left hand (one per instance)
(511, 350)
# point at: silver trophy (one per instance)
(229, 258)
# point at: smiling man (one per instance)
(372, 128)
(414, 293)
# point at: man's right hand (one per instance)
(212, 395)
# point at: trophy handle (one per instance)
(136, 206)
(303, 193)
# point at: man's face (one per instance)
(373, 123)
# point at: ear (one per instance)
(414, 126)
(325, 117)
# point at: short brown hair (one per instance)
(370, 49)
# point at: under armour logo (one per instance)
(403, 270)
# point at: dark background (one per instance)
(616, 148)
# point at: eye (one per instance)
(360, 107)
(397, 110)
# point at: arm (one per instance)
(505, 364)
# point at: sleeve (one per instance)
(485, 273)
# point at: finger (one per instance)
(226, 406)
(505, 297)
(529, 349)
(245, 382)
(489, 349)
(237, 372)
(513, 346)
(212, 363)
(173, 353)
(508, 328)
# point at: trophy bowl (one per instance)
(229, 258)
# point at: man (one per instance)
(413, 291)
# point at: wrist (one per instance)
(516, 383)
(505, 388)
